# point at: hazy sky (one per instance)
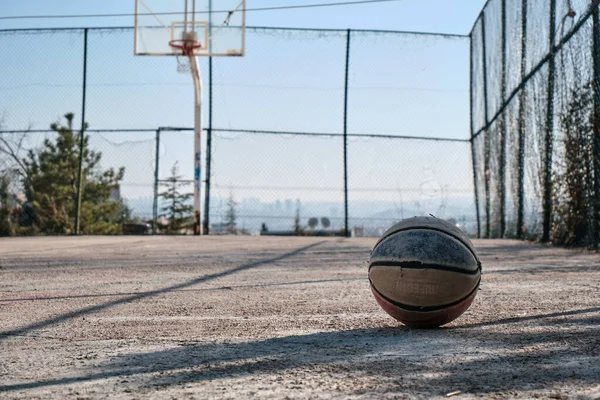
(447, 16)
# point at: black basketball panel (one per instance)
(424, 247)
(433, 223)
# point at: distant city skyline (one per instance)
(279, 215)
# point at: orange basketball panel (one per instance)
(422, 287)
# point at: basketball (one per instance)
(424, 272)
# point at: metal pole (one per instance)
(473, 150)
(547, 161)
(197, 141)
(521, 150)
(206, 221)
(185, 16)
(503, 130)
(596, 131)
(156, 178)
(81, 137)
(486, 151)
(135, 29)
(208, 150)
(346, 227)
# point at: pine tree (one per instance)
(50, 179)
(176, 210)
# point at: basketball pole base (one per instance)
(197, 225)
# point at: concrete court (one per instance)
(267, 317)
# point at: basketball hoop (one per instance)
(158, 31)
(187, 47)
(184, 47)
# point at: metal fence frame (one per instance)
(209, 128)
(550, 60)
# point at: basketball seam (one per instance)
(424, 309)
(420, 265)
(433, 229)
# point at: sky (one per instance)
(288, 81)
(441, 16)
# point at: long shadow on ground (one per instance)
(544, 351)
(144, 295)
(213, 289)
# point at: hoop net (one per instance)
(184, 49)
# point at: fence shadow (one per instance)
(94, 296)
(144, 295)
(477, 358)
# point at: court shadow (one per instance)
(214, 289)
(547, 269)
(510, 249)
(478, 359)
(144, 295)
(552, 318)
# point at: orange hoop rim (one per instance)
(185, 45)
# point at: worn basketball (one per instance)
(424, 272)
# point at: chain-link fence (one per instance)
(535, 71)
(320, 131)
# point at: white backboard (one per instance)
(220, 26)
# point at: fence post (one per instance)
(206, 220)
(521, 150)
(503, 129)
(486, 135)
(346, 78)
(473, 151)
(596, 131)
(547, 158)
(81, 137)
(156, 178)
